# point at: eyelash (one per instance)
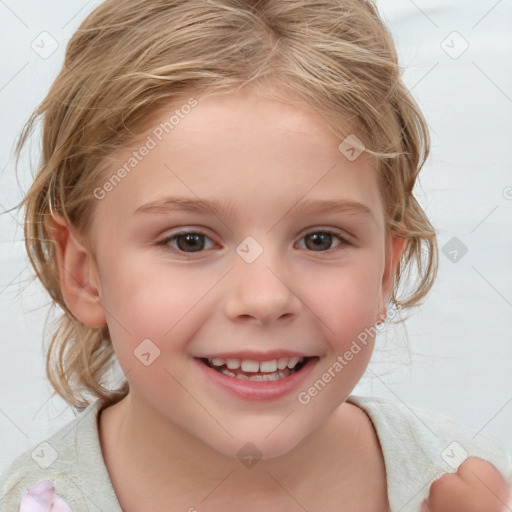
(164, 244)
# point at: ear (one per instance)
(395, 247)
(79, 278)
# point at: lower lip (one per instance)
(259, 390)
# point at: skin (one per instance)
(262, 156)
(476, 486)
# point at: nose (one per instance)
(261, 291)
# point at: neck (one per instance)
(135, 436)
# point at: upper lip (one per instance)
(255, 355)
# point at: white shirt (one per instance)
(418, 446)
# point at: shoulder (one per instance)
(420, 445)
(441, 438)
(71, 458)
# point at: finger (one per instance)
(475, 487)
(481, 475)
(450, 494)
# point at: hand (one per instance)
(475, 487)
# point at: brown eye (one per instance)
(186, 242)
(321, 241)
(193, 241)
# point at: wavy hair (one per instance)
(128, 58)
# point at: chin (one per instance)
(257, 444)
(256, 449)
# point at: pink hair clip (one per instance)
(41, 497)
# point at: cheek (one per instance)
(153, 311)
(345, 299)
(148, 311)
(149, 297)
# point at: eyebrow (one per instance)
(215, 207)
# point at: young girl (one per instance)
(225, 206)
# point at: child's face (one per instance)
(250, 280)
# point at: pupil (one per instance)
(317, 239)
(191, 238)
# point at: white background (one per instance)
(458, 360)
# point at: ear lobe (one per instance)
(78, 274)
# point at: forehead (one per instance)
(246, 148)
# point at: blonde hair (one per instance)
(130, 57)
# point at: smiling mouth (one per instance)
(260, 372)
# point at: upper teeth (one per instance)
(249, 365)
